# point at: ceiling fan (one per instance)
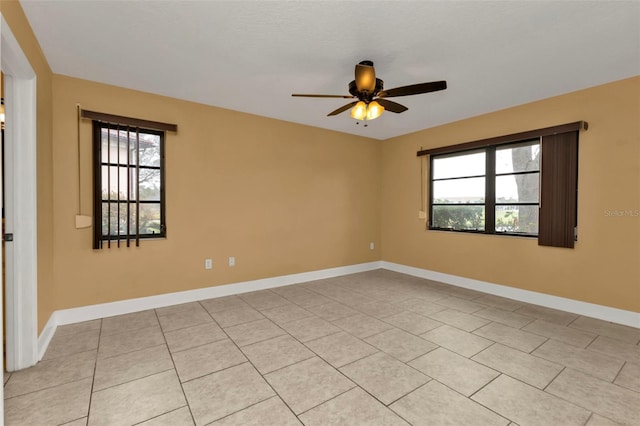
(372, 99)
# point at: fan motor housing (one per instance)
(365, 96)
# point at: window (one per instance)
(128, 184)
(520, 184)
(491, 190)
(517, 188)
(458, 191)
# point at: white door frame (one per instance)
(21, 199)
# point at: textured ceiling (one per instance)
(251, 55)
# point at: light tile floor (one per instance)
(376, 348)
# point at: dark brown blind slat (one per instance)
(515, 137)
(137, 188)
(97, 189)
(128, 121)
(559, 183)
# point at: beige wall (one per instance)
(14, 16)
(604, 267)
(284, 198)
(280, 197)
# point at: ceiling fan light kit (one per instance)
(364, 111)
(372, 99)
(359, 112)
(374, 110)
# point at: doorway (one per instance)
(20, 191)
(3, 250)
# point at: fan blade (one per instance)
(322, 96)
(414, 89)
(342, 109)
(392, 106)
(365, 78)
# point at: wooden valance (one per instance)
(515, 137)
(128, 121)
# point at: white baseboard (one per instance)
(592, 310)
(103, 310)
(47, 334)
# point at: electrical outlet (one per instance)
(208, 264)
(372, 246)
(232, 261)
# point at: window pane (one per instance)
(114, 147)
(149, 149)
(114, 222)
(114, 190)
(115, 144)
(517, 219)
(109, 146)
(460, 165)
(149, 218)
(518, 188)
(458, 217)
(150, 184)
(459, 191)
(518, 158)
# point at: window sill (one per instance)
(498, 234)
(132, 240)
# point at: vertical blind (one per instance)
(559, 190)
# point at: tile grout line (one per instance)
(569, 401)
(58, 358)
(318, 338)
(378, 351)
(427, 352)
(182, 328)
(482, 350)
(289, 365)
(242, 323)
(470, 397)
(196, 346)
(260, 341)
(95, 368)
(128, 352)
(544, 389)
(160, 415)
(49, 387)
(330, 399)
(589, 419)
(592, 340)
(618, 373)
(431, 379)
(132, 380)
(246, 361)
(288, 321)
(246, 408)
(545, 341)
(175, 370)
